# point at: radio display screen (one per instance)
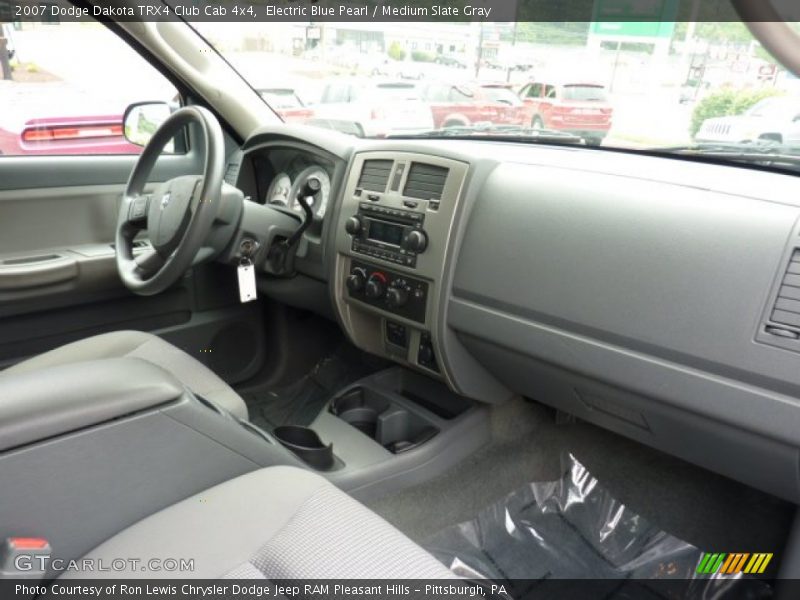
(388, 233)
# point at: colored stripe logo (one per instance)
(737, 562)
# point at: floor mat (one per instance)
(301, 401)
(573, 528)
(709, 511)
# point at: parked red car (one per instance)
(578, 108)
(103, 134)
(68, 135)
(287, 104)
(458, 105)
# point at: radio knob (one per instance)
(396, 297)
(356, 280)
(416, 241)
(376, 286)
(353, 225)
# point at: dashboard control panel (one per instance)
(392, 238)
(393, 292)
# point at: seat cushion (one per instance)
(193, 374)
(273, 523)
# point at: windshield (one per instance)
(630, 86)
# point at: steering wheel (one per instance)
(178, 215)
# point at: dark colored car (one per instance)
(448, 60)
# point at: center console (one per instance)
(392, 237)
(387, 431)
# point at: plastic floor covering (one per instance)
(573, 529)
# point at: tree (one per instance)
(396, 51)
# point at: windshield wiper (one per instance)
(761, 153)
(494, 133)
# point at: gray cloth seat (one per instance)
(274, 523)
(193, 374)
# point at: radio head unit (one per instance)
(390, 234)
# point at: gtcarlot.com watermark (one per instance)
(25, 563)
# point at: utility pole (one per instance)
(513, 50)
(480, 51)
(5, 59)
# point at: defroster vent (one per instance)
(787, 304)
(425, 182)
(375, 175)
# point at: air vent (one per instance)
(375, 175)
(425, 182)
(787, 304)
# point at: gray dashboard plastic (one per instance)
(649, 284)
(88, 393)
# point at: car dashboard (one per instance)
(654, 297)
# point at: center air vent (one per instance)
(425, 182)
(787, 303)
(375, 175)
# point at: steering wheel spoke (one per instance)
(138, 207)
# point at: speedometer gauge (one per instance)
(318, 203)
(279, 190)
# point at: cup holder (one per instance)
(364, 419)
(374, 414)
(305, 443)
(360, 408)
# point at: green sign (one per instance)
(635, 18)
(634, 29)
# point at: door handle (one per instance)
(34, 271)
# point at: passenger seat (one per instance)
(273, 523)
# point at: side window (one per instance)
(535, 91)
(65, 98)
(550, 91)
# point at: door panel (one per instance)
(58, 278)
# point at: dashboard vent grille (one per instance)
(425, 182)
(375, 175)
(787, 304)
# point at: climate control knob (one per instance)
(356, 280)
(376, 286)
(416, 241)
(353, 225)
(396, 296)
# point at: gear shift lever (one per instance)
(279, 253)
